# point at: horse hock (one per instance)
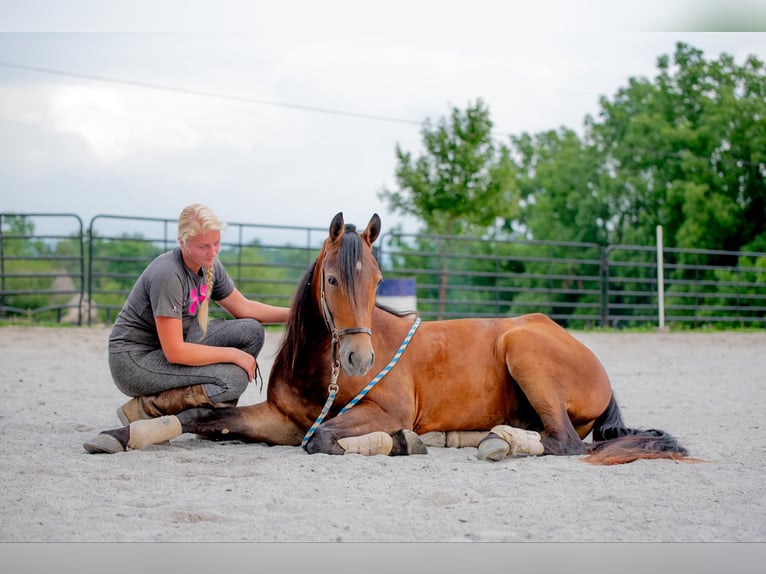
(504, 440)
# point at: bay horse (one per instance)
(504, 385)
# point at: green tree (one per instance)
(462, 184)
(687, 151)
(558, 177)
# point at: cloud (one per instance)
(113, 146)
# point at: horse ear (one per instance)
(373, 229)
(336, 226)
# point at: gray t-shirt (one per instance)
(166, 288)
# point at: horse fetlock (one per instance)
(153, 431)
(373, 443)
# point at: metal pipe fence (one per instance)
(53, 269)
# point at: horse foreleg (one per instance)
(136, 436)
(261, 422)
(255, 423)
(399, 443)
(402, 442)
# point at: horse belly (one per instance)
(453, 395)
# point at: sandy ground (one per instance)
(707, 389)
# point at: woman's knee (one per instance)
(226, 390)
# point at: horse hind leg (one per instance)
(555, 375)
(505, 440)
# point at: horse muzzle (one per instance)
(356, 354)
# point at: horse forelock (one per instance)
(349, 263)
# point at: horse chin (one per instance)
(356, 360)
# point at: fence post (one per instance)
(660, 279)
(604, 287)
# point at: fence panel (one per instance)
(473, 277)
(47, 274)
(701, 286)
(265, 261)
(42, 267)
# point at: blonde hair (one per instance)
(194, 220)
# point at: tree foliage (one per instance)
(463, 182)
(685, 150)
(688, 152)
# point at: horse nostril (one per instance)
(354, 360)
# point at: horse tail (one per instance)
(614, 443)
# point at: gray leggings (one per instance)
(149, 372)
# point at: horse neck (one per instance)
(306, 343)
(389, 329)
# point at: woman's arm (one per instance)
(180, 352)
(241, 307)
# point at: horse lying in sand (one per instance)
(520, 385)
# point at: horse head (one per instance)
(348, 277)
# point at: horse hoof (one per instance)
(103, 444)
(407, 442)
(493, 448)
(414, 444)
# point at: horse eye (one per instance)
(332, 281)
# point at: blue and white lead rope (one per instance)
(365, 390)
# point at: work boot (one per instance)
(169, 402)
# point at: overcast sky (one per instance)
(288, 112)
